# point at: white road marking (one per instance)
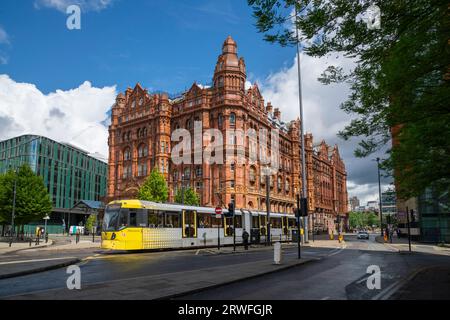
(34, 260)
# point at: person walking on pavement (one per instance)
(245, 236)
(77, 236)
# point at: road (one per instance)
(339, 274)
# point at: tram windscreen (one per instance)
(111, 218)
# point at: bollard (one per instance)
(277, 252)
(30, 241)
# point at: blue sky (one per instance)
(59, 82)
(165, 44)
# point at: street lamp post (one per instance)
(379, 196)
(13, 209)
(268, 208)
(302, 138)
(182, 188)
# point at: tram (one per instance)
(145, 225)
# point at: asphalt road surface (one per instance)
(339, 274)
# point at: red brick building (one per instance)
(140, 139)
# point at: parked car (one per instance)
(363, 235)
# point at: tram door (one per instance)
(285, 222)
(189, 224)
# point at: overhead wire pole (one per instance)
(379, 196)
(302, 138)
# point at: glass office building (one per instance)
(69, 174)
(434, 216)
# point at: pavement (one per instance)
(401, 245)
(17, 246)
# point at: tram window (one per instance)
(255, 222)
(229, 227)
(238, 221)
(263, 221)
(152, 219)
(275, 222)
(204, 220)
(190, 224)
(172, 220)
(160, 219)
(111, 219)
(132, 218)
(291, 223)
(216, 222)
(123, 219)
(141, 218)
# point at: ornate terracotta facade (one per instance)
(140, 139)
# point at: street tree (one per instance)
(399, 84)
(190, 197)
(32, 198)
(90, 222)
(154, 188)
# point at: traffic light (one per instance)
(304, 207)
(230, 210)
(303, 211)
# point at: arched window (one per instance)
(287, 186)
(126, 154)
(189, 124)
(252, 175)
(187, 173)
(220, 82)
(138, 133)
(220, 120)
(142, 151)
(232, 118)
(279, 183)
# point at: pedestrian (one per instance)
(38, 235)
(77, 236)
(46, 237)
(245, 236)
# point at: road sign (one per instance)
(218, 211)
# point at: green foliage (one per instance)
(190, 197)
(400, 78)
(90, 222)
(154, 188)
(32, 198)
(363, 219)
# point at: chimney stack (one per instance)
(269, 107)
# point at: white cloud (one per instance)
(86, 5)
(73, 116)
(4, 38)
(3, 59)
(322, 115)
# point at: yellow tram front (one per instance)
(142, 225)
